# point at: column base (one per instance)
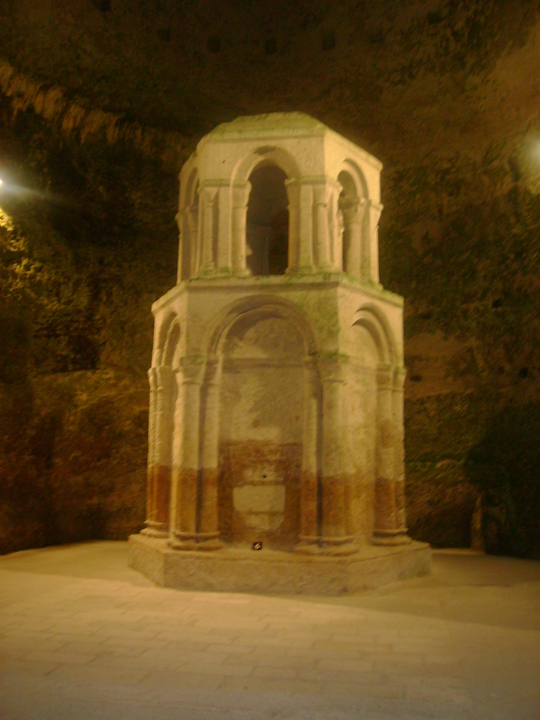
(308, 545)
(338, 545)
(312, 545)
(390, 537)
(199, 541)
(157, 530)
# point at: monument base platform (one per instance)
(235, 569)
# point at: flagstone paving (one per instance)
(83, 636)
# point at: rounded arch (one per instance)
(371, 318)
(262, 304)
(267, 221)
(357, 184)
(168, 341)
(269, 155)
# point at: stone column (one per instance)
(293, 193)
(224, 230)
(159, 473)
(321, 197)
(336, 225)
(182, 240)
(207, 194)
(310, 531)
(208, 531)
(384, 458)
(240, 197)
(192, 215)
(300, 226)
(334, 477)
(186, 461)
(150, 514)
(370, 254)
(353, 215)
(400, 524)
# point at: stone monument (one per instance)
(276, 388)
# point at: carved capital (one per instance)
(191, 371)
(240, 194)
(331, 368)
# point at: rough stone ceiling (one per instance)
(398, 77)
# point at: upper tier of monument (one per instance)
(278, 193)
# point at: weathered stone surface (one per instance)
(272, 571)
(284, 424)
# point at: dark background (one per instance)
(100, 103)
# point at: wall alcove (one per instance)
(267, 233)
(261, 427)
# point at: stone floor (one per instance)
(82, 636)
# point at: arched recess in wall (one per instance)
(370, 318)
(372, 409)
(267, 232)
(352, 201)
(161, 427)
(168, 341)
(272, 209)
(263, 347)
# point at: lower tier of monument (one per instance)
(236, 569)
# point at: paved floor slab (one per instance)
(83, 636)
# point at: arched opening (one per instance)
(261, 430)
(348, 211)
(267, 233)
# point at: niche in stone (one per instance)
(267, 236)
(350, 224)
(261, 429)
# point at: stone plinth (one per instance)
(237, 569)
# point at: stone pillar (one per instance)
(192, 216)
(300, 226)
(150, 514)
(310, 531)
(370, 254)
(336, 225)
(384, 458)
(353, 216)
(159, 470)
(182, 241)
(186, 460)
(240, 197)
(224, 230)
(207, 194)
(334, 477)
(293, 193)
(400, 523)
(321, 197)
(208, 531)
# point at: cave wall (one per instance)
(100, 102)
